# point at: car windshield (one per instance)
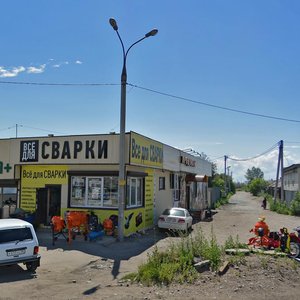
(174, 212)
(15, 235)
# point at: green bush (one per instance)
(278, 206)
(223, 200)
(256, 186)
(295, 205)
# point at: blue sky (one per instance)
(236, 54)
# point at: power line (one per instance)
(214, 106)
(36, 128)
(257, 156)
(156, 92)
(41, 129)
(57, 84)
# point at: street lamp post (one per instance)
(122, 148)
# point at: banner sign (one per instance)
(39, 176)
(145, 152)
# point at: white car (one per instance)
(18, 244)
(175, 219)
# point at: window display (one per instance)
(78, 191)
(110, 193)
(94, 191)
(98, 192)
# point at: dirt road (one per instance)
(93, 270)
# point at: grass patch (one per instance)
(232, 243)
(223, 200)
(177, 263)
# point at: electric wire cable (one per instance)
(58, 84)
(213, 105)
(159, 93)
(257, 156)
(41, 129)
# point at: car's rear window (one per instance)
(174, 212)
(15, 235)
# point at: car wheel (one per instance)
(160, 229)
(294, 249)
(31, 266)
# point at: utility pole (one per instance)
(228, 179)
(279, 166)
(282, 183)
(225, 167)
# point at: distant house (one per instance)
(291, 182)
(272, 187)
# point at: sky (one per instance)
(209, 60)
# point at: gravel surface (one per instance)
(95, 270)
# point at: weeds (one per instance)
(264, 262)
(177, 263)
(239, 257)
(230, 243)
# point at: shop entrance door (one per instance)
(41, 207)
(48, 204)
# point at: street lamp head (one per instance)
(153, 32)
(113, 24)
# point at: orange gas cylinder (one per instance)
(58, 223)
(108, 226)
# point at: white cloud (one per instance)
(267, 163)
(13, 72)
(36, 70)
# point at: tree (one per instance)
(254, 173)
(257, 185)
(218, 181)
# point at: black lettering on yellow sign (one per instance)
(28, 199)
(68, 150)
(149, 200)
(149, 152)
(48, 174)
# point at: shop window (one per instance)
(110, 193)
(94, 191)
(162, 183)
(134, 192)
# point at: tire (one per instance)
(294, 249)
(161, 229)
(31, 266)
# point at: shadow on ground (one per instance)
(107, 247)
(14, 273)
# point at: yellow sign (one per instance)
(149, 195)
(28, 196)
(145, 152)
(39, 176)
